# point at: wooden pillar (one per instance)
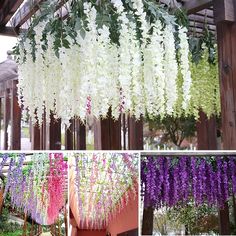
(25, 225)
(6, 117)
(80, 132)
(66, 221)
(15, 118)
(40, 229)
(225, 19)
(225, 15)
(35, 136)
(0, 122)
(107, 133)
(135, 133)
(224, 220)
(206, 132)
(147, 224)
(43, 134)
(32, 229)
(69, 137)
(54, 134)
(1, 199)
(59, 227)
(234, 209)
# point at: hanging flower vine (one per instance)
(118, 54)
(169, 181)
(38, 188)
(104, 183)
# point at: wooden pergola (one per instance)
(218, 16)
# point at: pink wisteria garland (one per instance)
(105, 183)
(39, 189)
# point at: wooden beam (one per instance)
(9, 10)
(194, 6)
(206, 13)
(9, 31)
(225, 11)
(27, 10)
(201, 19)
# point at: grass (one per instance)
(16, 233)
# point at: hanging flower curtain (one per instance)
(168, 181)
(127, 55)
(39, 189)
(105, 183)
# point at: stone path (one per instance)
(46, 234)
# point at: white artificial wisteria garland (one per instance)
(185, 67)
(136, 76)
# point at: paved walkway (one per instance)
(18, 220)
(46, 234)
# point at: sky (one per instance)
(6, 43)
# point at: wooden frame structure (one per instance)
(220, 18)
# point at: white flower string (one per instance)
(184, 66)
(135, 75)
(170, 69)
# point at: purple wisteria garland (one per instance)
(171, 181)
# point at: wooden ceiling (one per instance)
(15, 13)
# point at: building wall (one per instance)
(126, 220)
(91, 233)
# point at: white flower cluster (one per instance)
(185, 67)
(134, 76)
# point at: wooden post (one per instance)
(6, 117)
(43, 134)
(0, 122)
(32, 229)
(69, 136)
(147, 225)
(15, 118)
(80, 132)
(234, 209)
(224, 220)
(1, 199)
(107, 133)
(224, 14)
(54, 134)
(35, 136)
(40, 229)
(59, 227)
(135, 133)
(206, 132)
(25, 226)
(66, 221)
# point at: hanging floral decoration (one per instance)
(168, 181)
(123, 54)
(104, 183)
(205, 88)
(37, 188)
